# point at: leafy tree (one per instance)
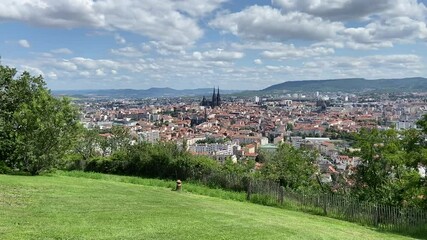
(388, 171)
(88, 141)
(36, 128)
(422, 123)
(293, 167)
(289, 127)
(120, 138)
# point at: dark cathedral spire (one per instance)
(218, 98)
(214, 102)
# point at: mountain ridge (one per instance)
(416, 84)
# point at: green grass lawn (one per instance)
(69, 207)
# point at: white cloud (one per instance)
(270, 24)
(99, 72)
(52, 75)
(64, 65)
(336, 9)
(119, 39)
(173, 22)
(373, 66)
(32, 70)
(283, 69)
(326, 23)
(218, 55)
(127, 52)
(92, 64)
(291, 52)
(258, 61)
(24, 43)
(198, 8)
(62, 51)
(343, 10)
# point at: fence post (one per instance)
(376, 215)
(281, 194)
(325, 204)
(249, 190)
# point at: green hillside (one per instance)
(64, 207)
(353, 85)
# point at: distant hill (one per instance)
(417, 84)
(143, 93)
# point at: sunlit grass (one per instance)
(80, 205)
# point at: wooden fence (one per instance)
(341, 207)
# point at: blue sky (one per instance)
(105, 44)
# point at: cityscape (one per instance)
(241, 128)
(213, 119)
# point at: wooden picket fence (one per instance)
(341, 207)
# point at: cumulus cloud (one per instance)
(373, 66)
(32, 70)
(329, 23)
(24, 43)
(336, 9)
(51, 75)
(218, 55)
(99, 72)
(291, 52)
(127, 52)
(198, 8)
(174, 22)
(258, 61)
(267, 23)
(344, 10)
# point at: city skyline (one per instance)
(194, 44)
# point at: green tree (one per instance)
(36, 128)
(388, 171)
(293, 167)
(120, 138)
(289, 126)
(422, 123)
(86, 145)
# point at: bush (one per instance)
(4, 169)
(161, 160)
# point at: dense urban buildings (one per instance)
(240, 128)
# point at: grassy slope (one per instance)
(64, 207)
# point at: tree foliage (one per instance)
(35, 128)
(388, 173)
(294, 168)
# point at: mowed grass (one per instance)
(68, 207)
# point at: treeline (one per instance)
(391, 167)
(293, 168)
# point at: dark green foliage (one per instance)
(293, 168)
(422, 123)
(35, 128)
(160, 160)
(388, 173)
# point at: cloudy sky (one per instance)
(88, 44)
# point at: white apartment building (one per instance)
(149, 136)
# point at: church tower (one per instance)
(218, 98)
(214, 97)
